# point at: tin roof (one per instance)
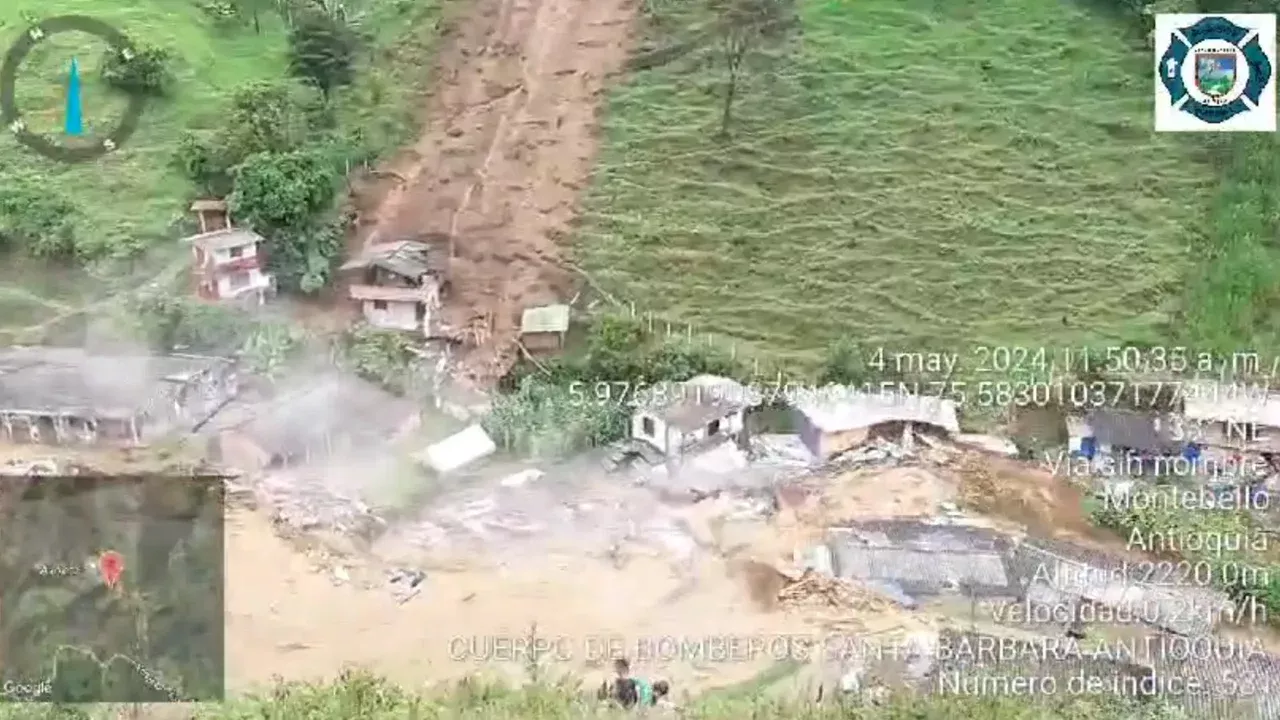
(72, 381)
(458, 450)
(405, 258)
(225, 238)
(1136, 431)
(837, 408)
(1231, 402)
(548, 318)
(695, 402)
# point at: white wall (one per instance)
(223, 255)
(659, 437)
(257, 281)
(669, 440)
(395, 316)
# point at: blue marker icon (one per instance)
(74, 120)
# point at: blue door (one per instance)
(1089, 447)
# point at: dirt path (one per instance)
(509, 142)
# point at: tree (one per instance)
(302, 258)
(284, 196)
(204, 162)
(37, 217)
(322, 50)
(254, 9)
(263, 117)
(284, 190)
(742, 28)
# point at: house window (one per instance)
(646, 426)
(379, 304)
(713, 427)
(237, 251)
(240, 280)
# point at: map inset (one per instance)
(146, 624)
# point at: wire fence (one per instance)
(662, 327)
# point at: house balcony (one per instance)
(382, 293)
(240, 264)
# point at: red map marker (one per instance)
(111, 565)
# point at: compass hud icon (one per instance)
(66, 140)
(1215, 73)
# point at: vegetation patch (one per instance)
(585, 399)
(193, 59)
(913, 174)
(360, 696)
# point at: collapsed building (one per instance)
(327, 417)
(70, 396)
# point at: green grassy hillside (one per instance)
(132, 198)
(917, 174)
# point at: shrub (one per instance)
(381, 356)
(541, 419)
(37, 218)
(223, 14)
(141, 69)
(359, 695)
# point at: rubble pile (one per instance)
(911, 448)
(815, 590)
(303, 503)
(28, 468)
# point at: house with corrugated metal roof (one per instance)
(52, 395)
(837, 418)
(674, 417)
(544, 328)
(327, 417)
(925, 559)
(1129, 442)
(398, 286)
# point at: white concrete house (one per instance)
(228, 264)
(674, 417)
(399, 289)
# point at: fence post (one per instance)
(689, 333)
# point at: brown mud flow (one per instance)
(509, 140)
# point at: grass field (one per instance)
(133, 198)
(920, 175)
